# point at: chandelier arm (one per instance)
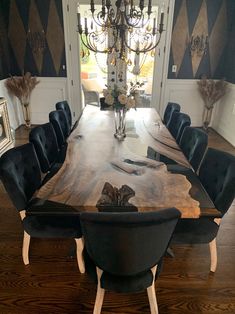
(97, 19)
(139, 21)
(91, 47)
(145, 49)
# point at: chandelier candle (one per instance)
(127, 24)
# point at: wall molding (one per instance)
(224, 116)
(185, 92)
(43, 99)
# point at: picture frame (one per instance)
(6, 140)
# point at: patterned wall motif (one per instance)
(4, 46)
(37, 16)
(201, 17)
(230, 55)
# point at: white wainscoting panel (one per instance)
(43, 100)
(224, 115)
(44, 97)
(185, 93)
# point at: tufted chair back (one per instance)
(177, 124)
(120, 249)
(170, 108)
(63, 105)
(193, 143)
(217, 174)
(44, 140)
(60, 124)
(20, 174)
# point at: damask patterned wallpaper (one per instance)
(212, 18)
(43, 18)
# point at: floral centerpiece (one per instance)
(211, 91)
(21, 87)
(121, 99)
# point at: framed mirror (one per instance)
(6, 140)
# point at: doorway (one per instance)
(153, 72)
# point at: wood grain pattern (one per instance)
(52, 284)
(94, 157)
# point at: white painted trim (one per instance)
(72, 50)
(162, 103)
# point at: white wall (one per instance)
(224, 115)
(43, 99)
(185, 92)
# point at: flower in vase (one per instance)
(122, 98)
(109, 99)
(130, 102)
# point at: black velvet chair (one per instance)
(21, 177)
(217, 175)
(63, 105)
(193, 144)
(177, 124)
(126, 249)
(61, 126)
(170, 108)
(45, 142)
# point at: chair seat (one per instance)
(195, 231)
(45, 226)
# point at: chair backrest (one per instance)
(44, 140)
(193, 143)
(170, 108)
(63, 105)
(60, 124)
(217, 174)
(177, 124)
(128, 243)
(20, 174)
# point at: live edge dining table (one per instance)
(94, 156)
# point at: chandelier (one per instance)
(121, 29)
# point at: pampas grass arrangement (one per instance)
(21, 87)
(211, 91)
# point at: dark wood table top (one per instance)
(95, 156)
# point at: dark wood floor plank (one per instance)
(52, 284)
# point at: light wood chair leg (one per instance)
(25, 248)
(213, 251)
(152, 294)
(99, 294)
(79, 251)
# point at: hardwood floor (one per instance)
(51, 283)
